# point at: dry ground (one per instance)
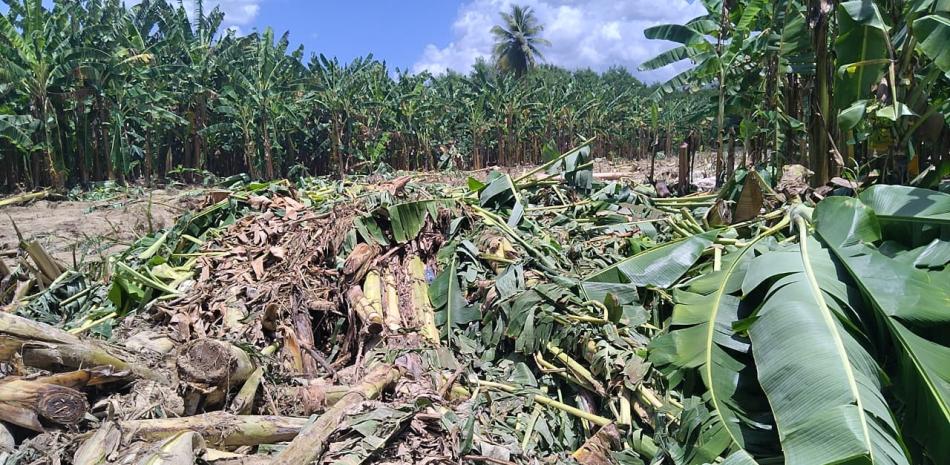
(89, 229)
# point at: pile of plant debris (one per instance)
(552, 318)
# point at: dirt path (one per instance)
(92, 229)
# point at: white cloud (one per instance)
(236, 12)
(583, 33)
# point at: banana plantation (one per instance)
(93, 91)
(219, 249)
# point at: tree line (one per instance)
(92, 90)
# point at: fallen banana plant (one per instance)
(549, 317)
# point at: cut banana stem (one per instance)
(371, 317)
(390, 295)
(373, 293)
(425, 314)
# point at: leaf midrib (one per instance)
(711, 331)
(836, 336)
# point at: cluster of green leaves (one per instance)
(839, 333)
(885, 84)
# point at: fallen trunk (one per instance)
(23, 198)
(24, 402)
(213, 363)
(43, 346)
(312, 442)
(312, 398)
(219, 428)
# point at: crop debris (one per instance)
(553, 317)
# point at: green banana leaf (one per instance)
(907, 204)
(861, 49)
(910, 215)
(673, 55)
(405, 221)
(933, 35)
(500, 192)
(822, 383)
(18, 129)
(703, 338)
(674, 33)
(660, 266)
(446, 296)
(911, 304)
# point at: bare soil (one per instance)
(90, 230)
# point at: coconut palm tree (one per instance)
(517, 41)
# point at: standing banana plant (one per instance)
(711, 60)
(36, 60)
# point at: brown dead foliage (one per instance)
(264, 335)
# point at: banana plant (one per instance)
(36, 59)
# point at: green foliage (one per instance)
(115, 93)
(772, 65)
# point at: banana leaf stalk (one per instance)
(583, 374)
(692, 198)
(154, 248)
(49, 267)
(554, 161)
(219, 428)
(595, 419)
(44, 346)
(87, 325)
(494, 220)
(243, 401)
(313, 440)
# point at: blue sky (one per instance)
(390, 30)
(436, 35)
